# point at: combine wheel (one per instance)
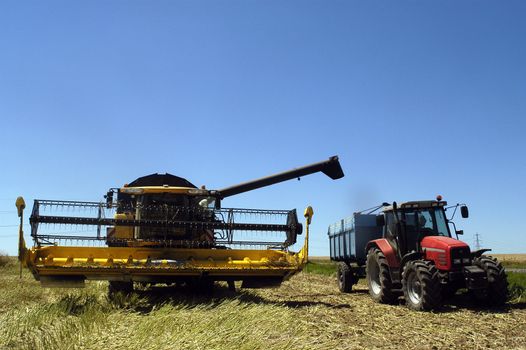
(119, 286)
(496, 294)
(346, 278)
(421, 285)
(379, 278)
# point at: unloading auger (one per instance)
(161, 228)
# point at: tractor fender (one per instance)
(410, 257)
(478, 253)
(386, 249)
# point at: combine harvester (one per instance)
(163, 229)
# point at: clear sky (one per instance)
(418, 98)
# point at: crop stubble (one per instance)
(307, 312)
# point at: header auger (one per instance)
(161, 228)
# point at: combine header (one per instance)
(163, 229)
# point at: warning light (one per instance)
(439, 198)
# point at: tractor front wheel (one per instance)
(346, 277)
(496, 294)
(379, 278)
(421, 285)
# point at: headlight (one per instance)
(456, 261)
(465, 260)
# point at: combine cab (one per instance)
(163, 229)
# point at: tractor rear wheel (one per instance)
(346, 278)
(421, 285)
(496, 294)
(379, 278)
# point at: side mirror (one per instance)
(308, 213)
(459, 232)
(380, 220)
(464, 211)
(109, 199)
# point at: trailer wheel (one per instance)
(120, 287)
(421, 285)
(345, 277)
(379, 278)
(496, 294)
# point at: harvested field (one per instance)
(307, 312)
(511, 257)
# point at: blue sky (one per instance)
(418, 98)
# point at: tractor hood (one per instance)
(440, 242)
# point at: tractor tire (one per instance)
(346, 277)
(379, 278)
(120, 287)
(497, 292)
(421, 286)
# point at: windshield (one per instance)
(427, 222)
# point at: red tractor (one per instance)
(408, 250)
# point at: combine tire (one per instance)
(120, 287)
(421, 285)
(345, 277)
(379, 278)
(496, 294)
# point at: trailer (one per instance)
(347, 239)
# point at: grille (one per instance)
(460, 256)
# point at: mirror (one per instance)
(464, 211)
(459, 232)
(380, 220)
(109, 199)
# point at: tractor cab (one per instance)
(405, 225)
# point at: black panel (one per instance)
(160, 180)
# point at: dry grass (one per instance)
(307, 312)
(511, 257)
(5, 259)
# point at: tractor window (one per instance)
(441, 223)
(430, 222)
(426, 221)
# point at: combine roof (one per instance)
(161, 180)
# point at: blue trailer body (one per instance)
(349, 237)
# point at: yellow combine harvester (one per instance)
(162, 229)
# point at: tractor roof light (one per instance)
(439, 198)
